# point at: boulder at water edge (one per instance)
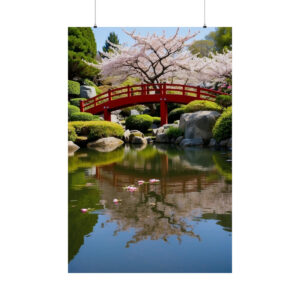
(87, 91)
(198, 124)
(162, 138)
(134, 133)
(106, 144)
(72, 147)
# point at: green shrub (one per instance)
(139, 122)
(224, 100)
(73, 87)
(72, 110)
(176, 113)
(72, 136)
(156, 120)
(174, 132)
(76, 101)
(97, 129)
(223, 127)
(197, 105)
(82, 116)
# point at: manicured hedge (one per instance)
(223, 127)
(72, 136)
(139, 122)
(197, 105)
(73, 87)
(72, 110)
(82, 116)
(97, 129)
(76, 101)
(156, 120)
(174, 132)
(224, 100)
(175, 114)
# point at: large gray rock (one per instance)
(87, 91)
(191, 142)
(139, 140)
(198, 124)
(72, 147)
(126, 135)
(106, 144)
(162, 138)
(212, 143)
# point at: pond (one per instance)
(181, 223)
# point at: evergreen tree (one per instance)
(222, 38)
(113, 38)
(82, 46)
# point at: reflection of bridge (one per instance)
(144, 94)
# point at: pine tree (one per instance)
(113, 38)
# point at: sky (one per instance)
(102, 33)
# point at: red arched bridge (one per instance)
(161, 93)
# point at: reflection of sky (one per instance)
(102, 33)
(104, 252)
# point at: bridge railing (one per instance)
(149, 89)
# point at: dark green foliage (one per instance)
(224, 100)
(223, 127)
(82, 46)
(97, 129)
(82, 41)
(140, 122)
(72, 109)
(174, 132)
(176, 113)
(113, 38)
(82, 116)
(73, 88)
(197, 105)
(72, 136)
(222, 38)
(76, 101)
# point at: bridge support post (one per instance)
(163, 112)
(107, 115)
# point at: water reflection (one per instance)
(195, 186)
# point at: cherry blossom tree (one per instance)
(155, 59)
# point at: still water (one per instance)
(182, 223)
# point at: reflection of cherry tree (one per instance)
(152, 217)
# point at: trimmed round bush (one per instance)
(174, 132)
(97, 129)
(223, 127)
(73, 87)
(175, 114)
(72, 110)
(82, 116)
(72, 136)
(76, 101)
(197, 105)
(139, 122)
(156, 120)
(224, 100)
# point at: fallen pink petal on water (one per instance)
(141, 182)
(153, 180)
(84, 210)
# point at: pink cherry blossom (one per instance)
(84, 210)
(141, 182)
(153, 180)
(115, 201)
